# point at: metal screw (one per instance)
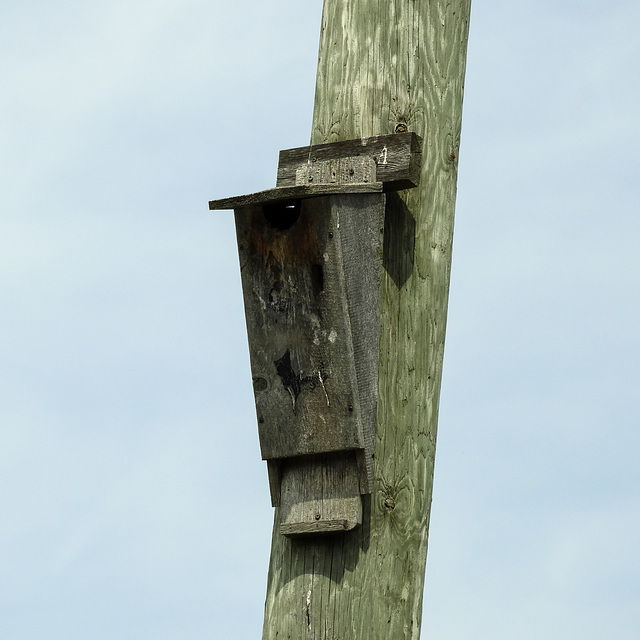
(317, 516)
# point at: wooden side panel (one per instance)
(361, 220)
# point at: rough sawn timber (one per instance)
(295, 192)
(395, 159)
(385, 66)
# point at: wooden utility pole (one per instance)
(386, 66)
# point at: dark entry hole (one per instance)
(282, 215)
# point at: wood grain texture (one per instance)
(385, 65)
(293, 192)
(361, 220)
(395, 159)
(320, 495)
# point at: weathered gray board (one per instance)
(396, 159)
(285, 194)
(311, 277)
(319, 494)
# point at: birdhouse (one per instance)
(311, 260)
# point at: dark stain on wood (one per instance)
(293, 381)
(317, 279)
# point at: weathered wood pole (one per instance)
(387, 66)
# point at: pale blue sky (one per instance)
(133, 501)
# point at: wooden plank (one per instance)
(361, 237)
(320, 498)
(294, 192)
(382, 66)
(396, 159)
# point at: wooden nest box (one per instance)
(311, 264)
